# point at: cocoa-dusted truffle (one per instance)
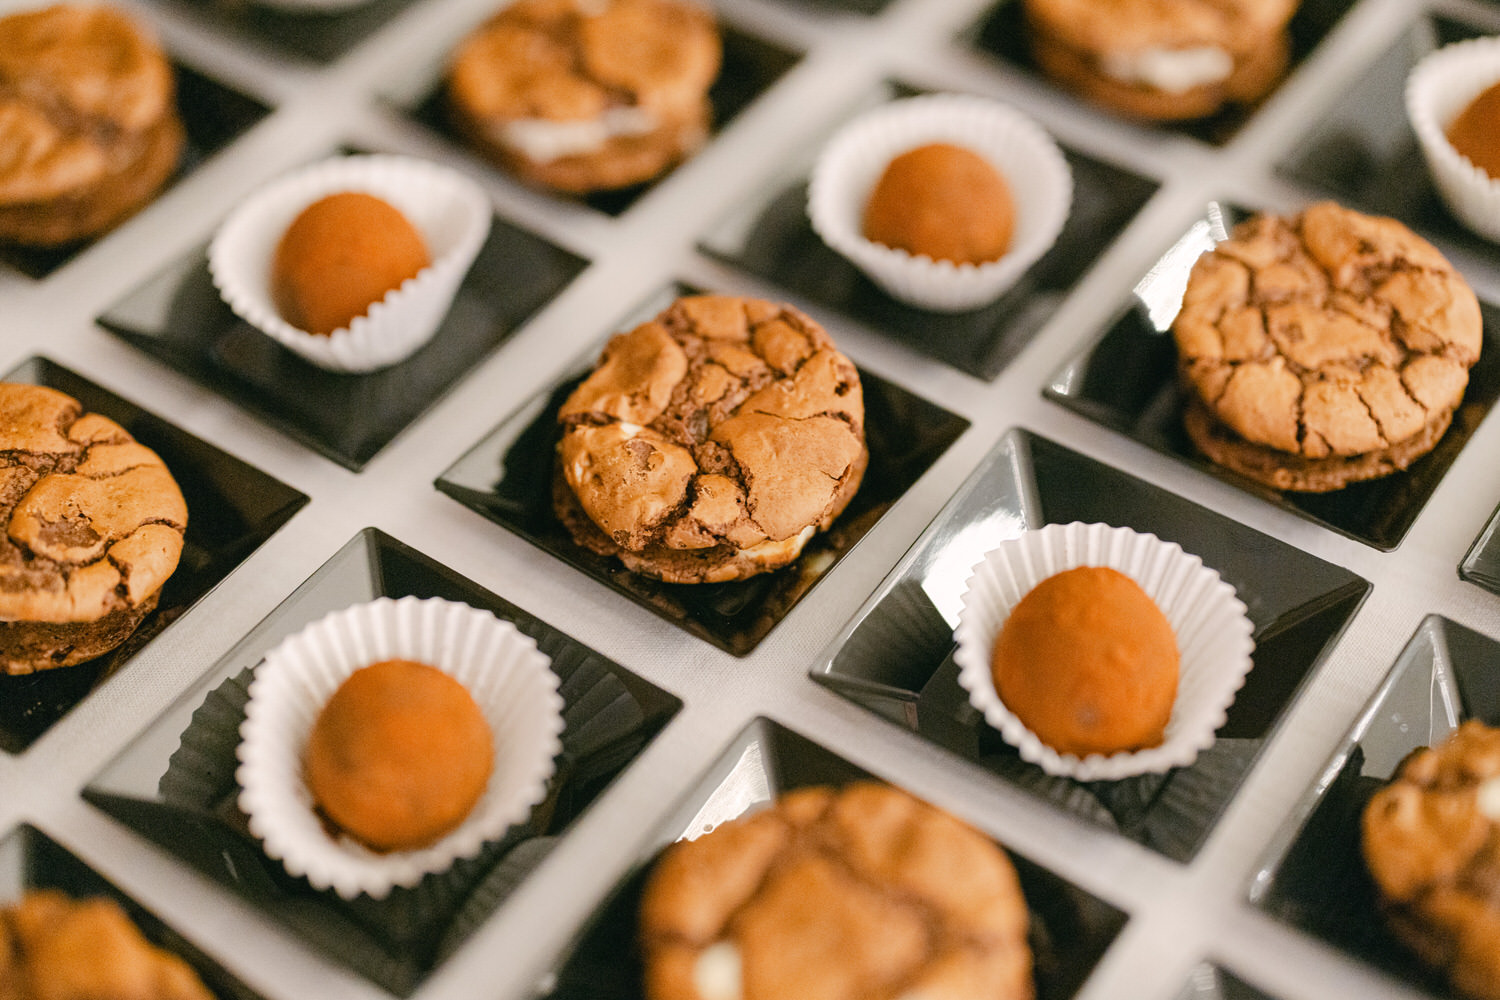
(942, 201)
(1089, 663)
(399, 755)
(344, 253)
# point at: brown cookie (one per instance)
(859, 894)
(712, 442)
(1323, 349)
(583, 96)
(88, 122)
(53, 947)
(94, 525)
(1431, 840)
(1162, 59)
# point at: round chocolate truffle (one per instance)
(399, 755)
(343, 254)
(1475, 133)
(1089, 663)
(944, 202)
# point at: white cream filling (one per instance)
(774, 547)
(543, 141)
(716, 973)
(1172, 71)
(1487, 799)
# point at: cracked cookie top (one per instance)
(1331, 333)
(859, 894)
(79, 87)
(93, 520)
(1133, 25)
(1431, 840)
(723, 426)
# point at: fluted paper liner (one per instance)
(508, 677)
(1041, 188)
(1212, 628)
(451, 212)
(1438, 89)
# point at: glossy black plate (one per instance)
(30, 860)
(1481, 563)
(507, 477)
(314, 36)
(772, 238)
(213, 116)
(1003, 34)
(175, 784)
(1211, 982)
(232, 509)
(1363, 150)
(895, 657)
(751, 65)
(1070, 929)
(1127, 380)
(178, 318)
(1313, 877)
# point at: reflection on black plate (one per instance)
(175, 784)
(1003, 33)
(232, 509)
(30, 860)
(1481, 563)
(1127, 380)
(507, 477)
(1313, 877)
(1070, 929)
(896, 656)
(1210, 982)
(179, 318)
(1364, 152)
(773, 239)
(212, 117)
(318, 36)
(751, 66)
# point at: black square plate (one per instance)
(175, 784)
(772, 238)
(316, 36)
(179, 318)
(507, 477)
(232, 509)
(1481, 563)
(1127, 380)
(1363, 150)
(896, 656)
(1313, 877)
(213, 116)
(1210, 982)
(751, 65)
(30, 860)
(1003, 33)
(1070, 929)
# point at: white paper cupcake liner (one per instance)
(1438, 89)
(1211, 624)
(507, 676)
(451, 212)
(1041, 187)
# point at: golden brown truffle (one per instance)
(339, 257)
(1475, 133)
(399, 755)
(943, 202)
(1089, 663)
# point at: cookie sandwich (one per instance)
(1324, 348)
(88, 122)
(1162, 59)
(581, 96)
(93, 528)
(831, 893)
(712, 442)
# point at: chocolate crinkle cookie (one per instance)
(712, 442)
(1432, 844)
(1323, 349)
(859, 894)
(93, 528)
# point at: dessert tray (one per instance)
(1376, 610)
